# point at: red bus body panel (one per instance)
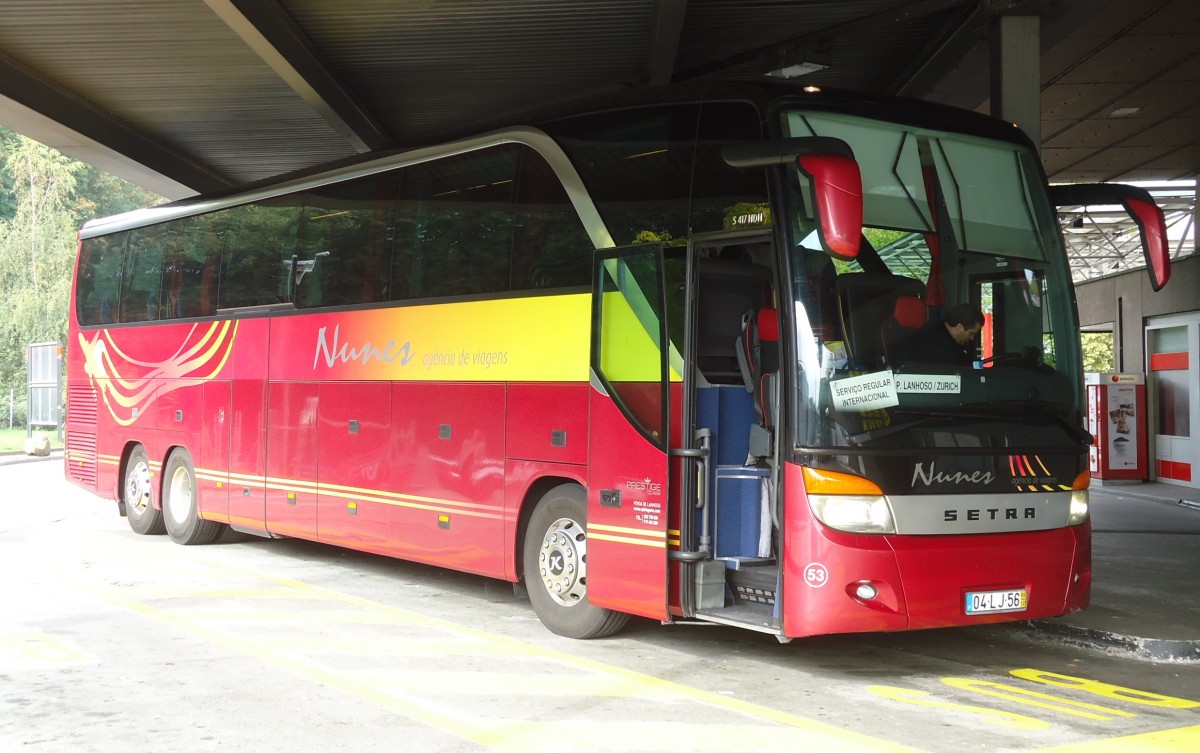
(922, 580)
(627, 515)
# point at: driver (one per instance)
(950, 340)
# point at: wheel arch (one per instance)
(533, 494)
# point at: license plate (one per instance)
(991, 602)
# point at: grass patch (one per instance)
(14, 439)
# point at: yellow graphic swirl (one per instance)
(200, 356)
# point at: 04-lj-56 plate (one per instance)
(991, 602)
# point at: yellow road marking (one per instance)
(30, 649)
(484, 687)
(405, 669)
(1033, 698)
(1166, 741)
(992, 716)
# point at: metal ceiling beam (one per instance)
(272, 34)
(946, 50)
(897, 14)
(38, 94)
(664, 40)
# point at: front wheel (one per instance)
(180, 511)
(555, 566)
(137, 495)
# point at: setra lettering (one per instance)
(989, 513)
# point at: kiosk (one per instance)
(1117, 419)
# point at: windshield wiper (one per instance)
(870, 435)
(1076, 433)
(1049, 410)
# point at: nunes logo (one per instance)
(933, 476)
(366, 352)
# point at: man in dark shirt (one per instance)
(951, 340)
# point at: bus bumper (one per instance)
(843, 583)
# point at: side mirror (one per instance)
(1147, 215)
(836, 180)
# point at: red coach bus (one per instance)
(649, 359)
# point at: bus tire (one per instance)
(137, 495)
(555, 566)
(180, 511)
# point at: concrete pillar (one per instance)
(1016, 82)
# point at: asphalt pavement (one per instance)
(1145, 571)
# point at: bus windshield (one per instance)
(954, 325)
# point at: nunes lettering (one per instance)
(932, 476)
(364, 353)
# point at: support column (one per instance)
(1016, 83)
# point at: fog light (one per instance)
(865, 591)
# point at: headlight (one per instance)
(1079, 508)
(853, 513)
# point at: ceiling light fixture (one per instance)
(796, 69)
(1124, 112)
(793, 60)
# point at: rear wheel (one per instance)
(137, 494)
(180, 512)
(555, 567)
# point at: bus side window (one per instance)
(141, 284)
(259, 241)
(343, 253)
(460, 213)
(551, 248)
(99, 286)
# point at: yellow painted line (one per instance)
(987, 715)
(626, 530)
(410, 669)
(377, 496)
(1181, 740)
(648, 537)
(549, 683)
(1104, 689)
(1028, 697)
(33, 650)
(786, 731)
(627, 540)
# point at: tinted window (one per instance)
(455, 225)
(141, 278)
(656, 173)
(484, 222)
(551, 249)
(257, 245)
(98, 289)
(344, 250)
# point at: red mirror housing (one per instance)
(1152, 226)
(837, 183)
(837, 189)
(1146, 214)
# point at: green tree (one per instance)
(45, 197)
(1098, 353)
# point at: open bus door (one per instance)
(633, 368)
